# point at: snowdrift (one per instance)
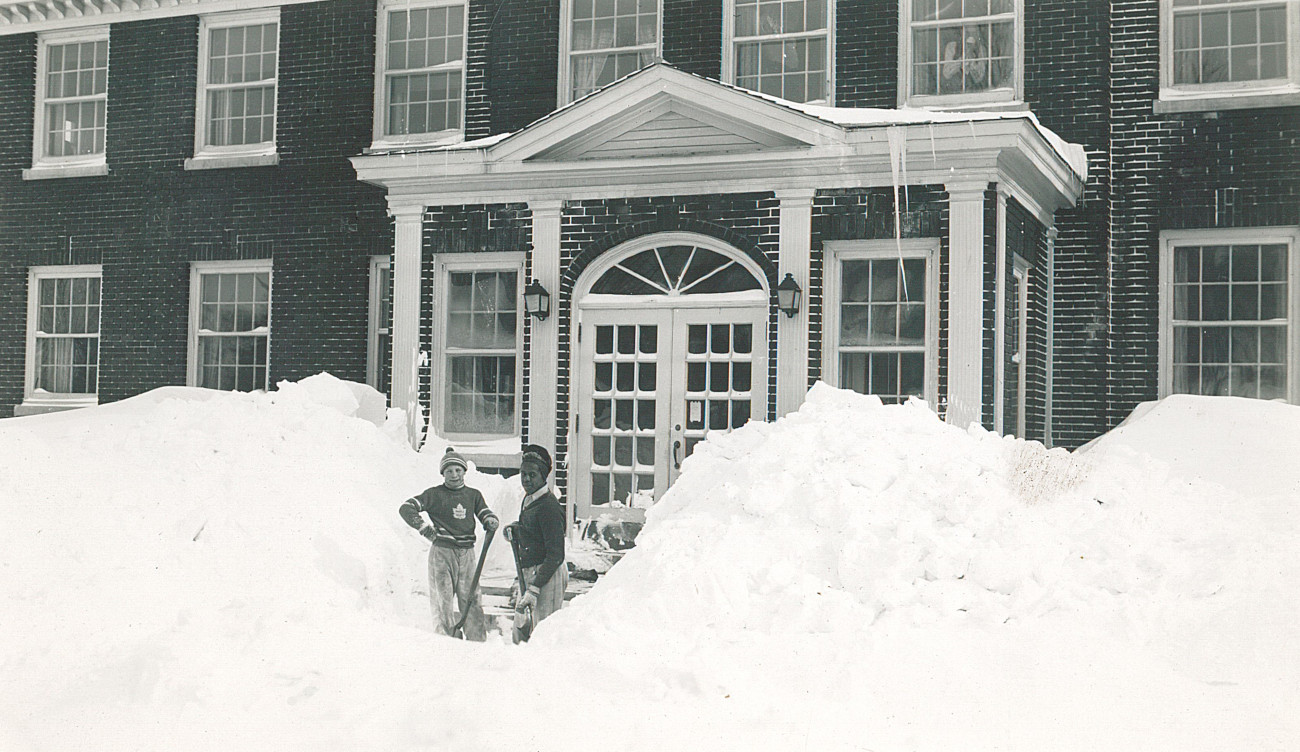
(193, 570)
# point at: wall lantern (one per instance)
(537, 301)
(787, 296)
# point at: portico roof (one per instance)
(662, 131)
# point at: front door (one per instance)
(655, 379)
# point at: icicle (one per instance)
(898, 171)
(933, 158)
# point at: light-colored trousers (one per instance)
(551, 597)
(451, 571)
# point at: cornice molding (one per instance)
(27, 16)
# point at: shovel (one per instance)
(458, 630)
(523, 616)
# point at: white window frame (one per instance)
(55, 400)
(1020, 275)
(566, 47)
(445, 264)
(380, 285)
(1171, 239)
(197, 270)
(1234, 94)
(729, 42)
(836, 252)
(450, 135)
(81, 165)
(239, 155)
(1004, 98)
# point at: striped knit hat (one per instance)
(537, 455)
(452, 458)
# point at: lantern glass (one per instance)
(537, 301)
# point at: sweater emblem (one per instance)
(458, 512)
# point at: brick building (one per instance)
(587, 217)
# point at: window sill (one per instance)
(426, 141)
(990, 106)
(50, 172)
(1170, 102)
(222, 162)
(37, 407)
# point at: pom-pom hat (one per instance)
(452, 458)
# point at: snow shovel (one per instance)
(523, 616)
(458, 630)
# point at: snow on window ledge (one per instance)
(53, 171)
(1173, 101)
(219, 162)
(49, 403)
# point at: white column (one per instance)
(795, 257)
(1051, 335)
(965, 301)
(407, 271)
(545, 345)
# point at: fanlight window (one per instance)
(676, 270)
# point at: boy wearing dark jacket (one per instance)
(452, 508)
(539, 535)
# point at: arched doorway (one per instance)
(671, 347)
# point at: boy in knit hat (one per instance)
(539, 535)
(451, 508)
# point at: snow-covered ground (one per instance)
(190, 570)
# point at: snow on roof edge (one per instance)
(1074, 155)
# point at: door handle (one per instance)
(677, 448)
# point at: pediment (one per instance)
(661, 112)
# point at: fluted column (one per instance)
(545, 343)
(795, 258)
(407, 270)
(965, 302)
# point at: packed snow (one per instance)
(197, 570)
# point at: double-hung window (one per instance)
(882, 318)
(62, 336)
(604, 40)
(380, 342)
(230, 324)
(961, 52)
(238, 79)
(477, 371)
(1228, 308)
(780, 47)
(420, 74)
(71, 103)
(1222, 54)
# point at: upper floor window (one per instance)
(63, 335)
(420, 80)
(960, 52)
(1228, 299)
(1229, 50)
(781, 48)
(603, 41)
(238, 76)
(71, 101)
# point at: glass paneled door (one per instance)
(653, 382)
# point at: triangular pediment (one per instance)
(661, 112)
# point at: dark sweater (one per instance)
(452, 511)
(541, 537)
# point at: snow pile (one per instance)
(205, 571)
(873, 525)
